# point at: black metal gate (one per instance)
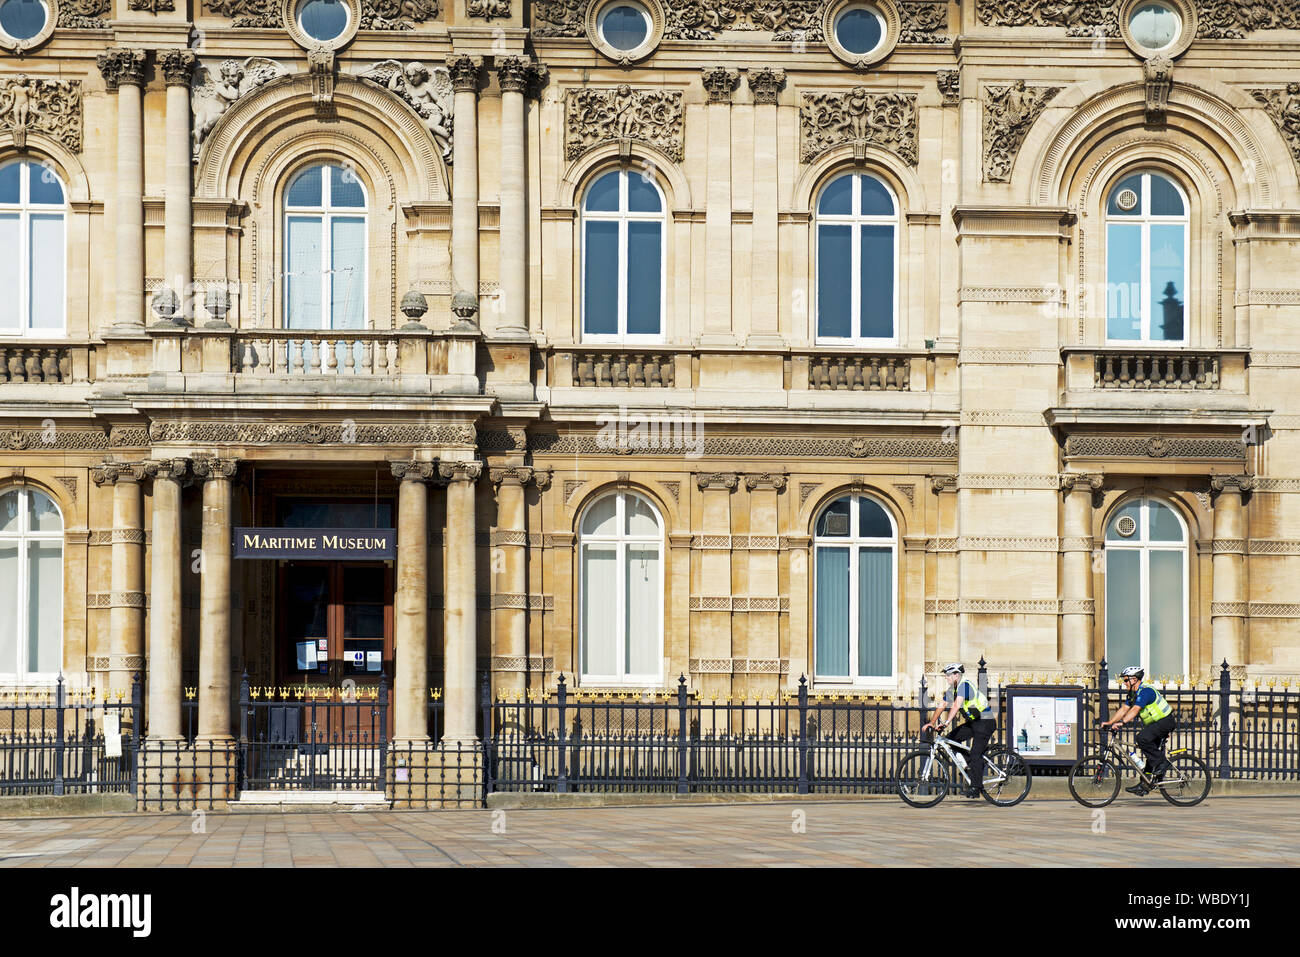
(313, 739)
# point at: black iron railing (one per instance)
(69, 740)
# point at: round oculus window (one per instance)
(625, 26)
(323, 20)
(23, 19)
(1155, 26)
(859, 30)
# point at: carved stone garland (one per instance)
(375, 14)
(1009, 112)
(596, 116)
(1216, 19)
(84, 14)
(52, 107)
(887, 120)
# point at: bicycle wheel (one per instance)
(1014, 787)
(1094, 780)
(922, 781)
(1188, 783)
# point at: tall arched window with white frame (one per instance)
(33, 250)
(31, 584)
(857, 262)
(623, 254)
(856, 592)
(621, 591)
(325, 249)
(1146, 588)
(1146, 261)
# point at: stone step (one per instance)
(263, 801)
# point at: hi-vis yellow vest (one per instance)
(1156, 709)
(975, 707)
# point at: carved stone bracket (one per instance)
(51, 107)
(886, 120)
(595, 116)
(1070, 481)
(719, 82)
(320, 65)
(1009, 112)
(943, 483)
(949, 86)
(1158, 72)
(765, 83)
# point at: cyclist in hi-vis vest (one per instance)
(964, 696)
(1158, 722)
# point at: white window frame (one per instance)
(326, 214)
(620, 540)
(23, 537)
(1140, 541)
(25, 208)
(1146, 220)
(853, 541)
(854, 221)
(622, 216)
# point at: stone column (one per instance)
(465, 72)
(126, 598)
(1228, 600)
(509, 543)
(411, 604)
(718, 83)
(214, 598)
(763, 636)
(461, 604)
(514, 75)
(765, 83)
(712, 630)
(1075, 652)
(164, 685)
(177, 66)
(123, 72)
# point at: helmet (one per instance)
(956, 668)
(1132, 671)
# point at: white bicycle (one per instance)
(925, 777)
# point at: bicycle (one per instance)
(925, 777)
(1095, 777)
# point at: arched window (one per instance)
(31, 584)
(854, 576)
(1146, 261)
(623, 258)
(857, 261)
(325, 249)
(1146, 588)
(621, 547)
(32, 250)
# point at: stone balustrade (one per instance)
(31, 364)
(859, 373)
(1155, 370)
(286, 352)
(620, 369)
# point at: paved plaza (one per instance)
(1222, 831)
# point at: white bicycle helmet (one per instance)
(1132, 671)
(956, 668)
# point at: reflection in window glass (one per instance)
(1146, 261)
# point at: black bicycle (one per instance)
(1096, 777)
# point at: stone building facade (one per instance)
(740, 341)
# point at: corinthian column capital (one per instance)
(177, 66)
(121, 66)
(466, 73)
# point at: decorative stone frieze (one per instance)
(84, 14)
(397, 14)
(488, 9)
(886, 120)
(213, 93)
(247, 13)
(1009, 112)
(151, 6)
(296, 433)
(1155, 447)
(594, 116)
(1283, 108)
(50, 107)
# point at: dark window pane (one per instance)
(363, 621)
(1124, 281)
(323, 19)
(834, 281)
(858, 31)
(1132, 184)
(345, 188)
(22, 19)
(642, 197)
(1165, 200)
(305, 190)
(835, 520)
(1167, 294)
(363, 584)
(306, 602)
(644, 272)
(603, 195)
(600, 279)
(876, 200)
(873, 522)
(875, 612)
(44, 185)
(9, 182)
(357, 515)
(837, 197)
(877, 295)
(624, 28)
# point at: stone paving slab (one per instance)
(1221, 832)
